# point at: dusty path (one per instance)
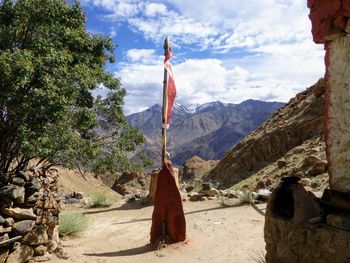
(216, 234)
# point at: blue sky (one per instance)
(227, 50)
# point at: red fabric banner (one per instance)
(170, 88)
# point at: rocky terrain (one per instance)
(207, 131)
(290, 142)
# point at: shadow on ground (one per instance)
(128, 252)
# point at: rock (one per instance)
(281, 163)
(189, 188)
(18, 181)
(318, 168)
(19, 213)
(21, 253)
(33, 186)
(38, 236)
(206, 186)
(315, 220)
(71, 201)
(211, 192)
(12, 192)
(339, 221)
(40, 250)
(231, 194)
(4, 237)
(2, 220)
(52, 245)
(305, 182)
(310, 160)
(9, 221)
(300, 174)
(222, 192)
(24, 175)
(79, 195)
(194, 196)
(296, 150)
(4, 252)
(53, 233)
(23, 227)
(5, 229)
(211, 197)
(268, 182)
(259, 185)
(263, 194)
(61, 253)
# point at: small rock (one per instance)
(2, 220)
(194, 196)
(210, 192)
(305, 182)
(296, 150)
(268, 182)
(79, 195)
(222, 192)
(206, 186)
(264, 194)
(310, 160)
(315, 220)
(9, 221)
(211, 197)
(281, 163)
(40, 250)
(231, 194)
(339, 221)
(260, 185)
(23, 227)
(18, 181)
(61, 253)
(19, 213)
(21, 253)
(189, 188)
(300, 174)
(318, 168)
(71, 201)
(5, 229)
(38, 236)
(4, 252)
(52, 245)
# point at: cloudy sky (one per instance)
(226, 50)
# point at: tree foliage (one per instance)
(49, 67)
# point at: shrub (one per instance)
(72, 223)
(246, 197)
(101, 198)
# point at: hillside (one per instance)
(207, 130)
(299, 123)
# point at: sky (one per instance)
(223, 50)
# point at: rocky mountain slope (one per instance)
(207, 131)
(281, 145)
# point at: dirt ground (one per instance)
(215, 234)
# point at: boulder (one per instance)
(194, 196)
(9, 221)
(310, 160)
(318, 168)
(4, 252)
(12, 192)
(23, 227)
(19, 213)
(38, 236)
(211, 192)
(40, 250)
(263, 194)
(21, 253)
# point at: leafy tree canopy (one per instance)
(49, 67)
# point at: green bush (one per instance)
(246, 197)
(101, 198)
(72, 223)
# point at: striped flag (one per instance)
(170, 86)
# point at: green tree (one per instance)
(49, 67)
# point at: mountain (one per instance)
(283, 145)
(207, 130)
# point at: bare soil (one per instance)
(215, 234)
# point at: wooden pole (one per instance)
(165, 104)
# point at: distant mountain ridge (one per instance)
(206, 130)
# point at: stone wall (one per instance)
(29, 208)
(299, 229)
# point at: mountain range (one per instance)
(208, 130)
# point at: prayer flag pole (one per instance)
(167, 47)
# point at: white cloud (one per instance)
(143, 56)
(154, 9)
